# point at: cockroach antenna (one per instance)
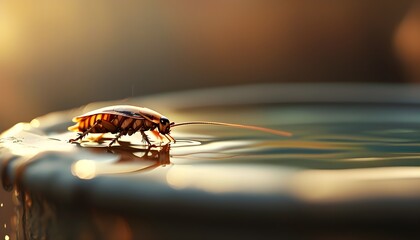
(262, 129)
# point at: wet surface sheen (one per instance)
(339, 152)
(352, 144)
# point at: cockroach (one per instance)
(127, 120)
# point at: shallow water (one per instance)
(339, 152)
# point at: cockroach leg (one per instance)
(173, 139)
(170, 140)
(145, 138)
(116, 138)
(82, 135)
(147, 151)
(157, 135)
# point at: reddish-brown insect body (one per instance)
(123, 120)
(126, 120)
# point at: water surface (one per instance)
(340, 153)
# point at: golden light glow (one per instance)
(370, 159)
(84, 169)
(219, 179)
(35, 123)
(305, 184)
(22, 142)
(331, 185)
(16, 129)
(8, 35)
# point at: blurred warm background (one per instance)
(61, 54)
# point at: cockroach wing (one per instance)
(126, 111)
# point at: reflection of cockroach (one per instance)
(125, 119)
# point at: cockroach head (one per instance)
(164, 125)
